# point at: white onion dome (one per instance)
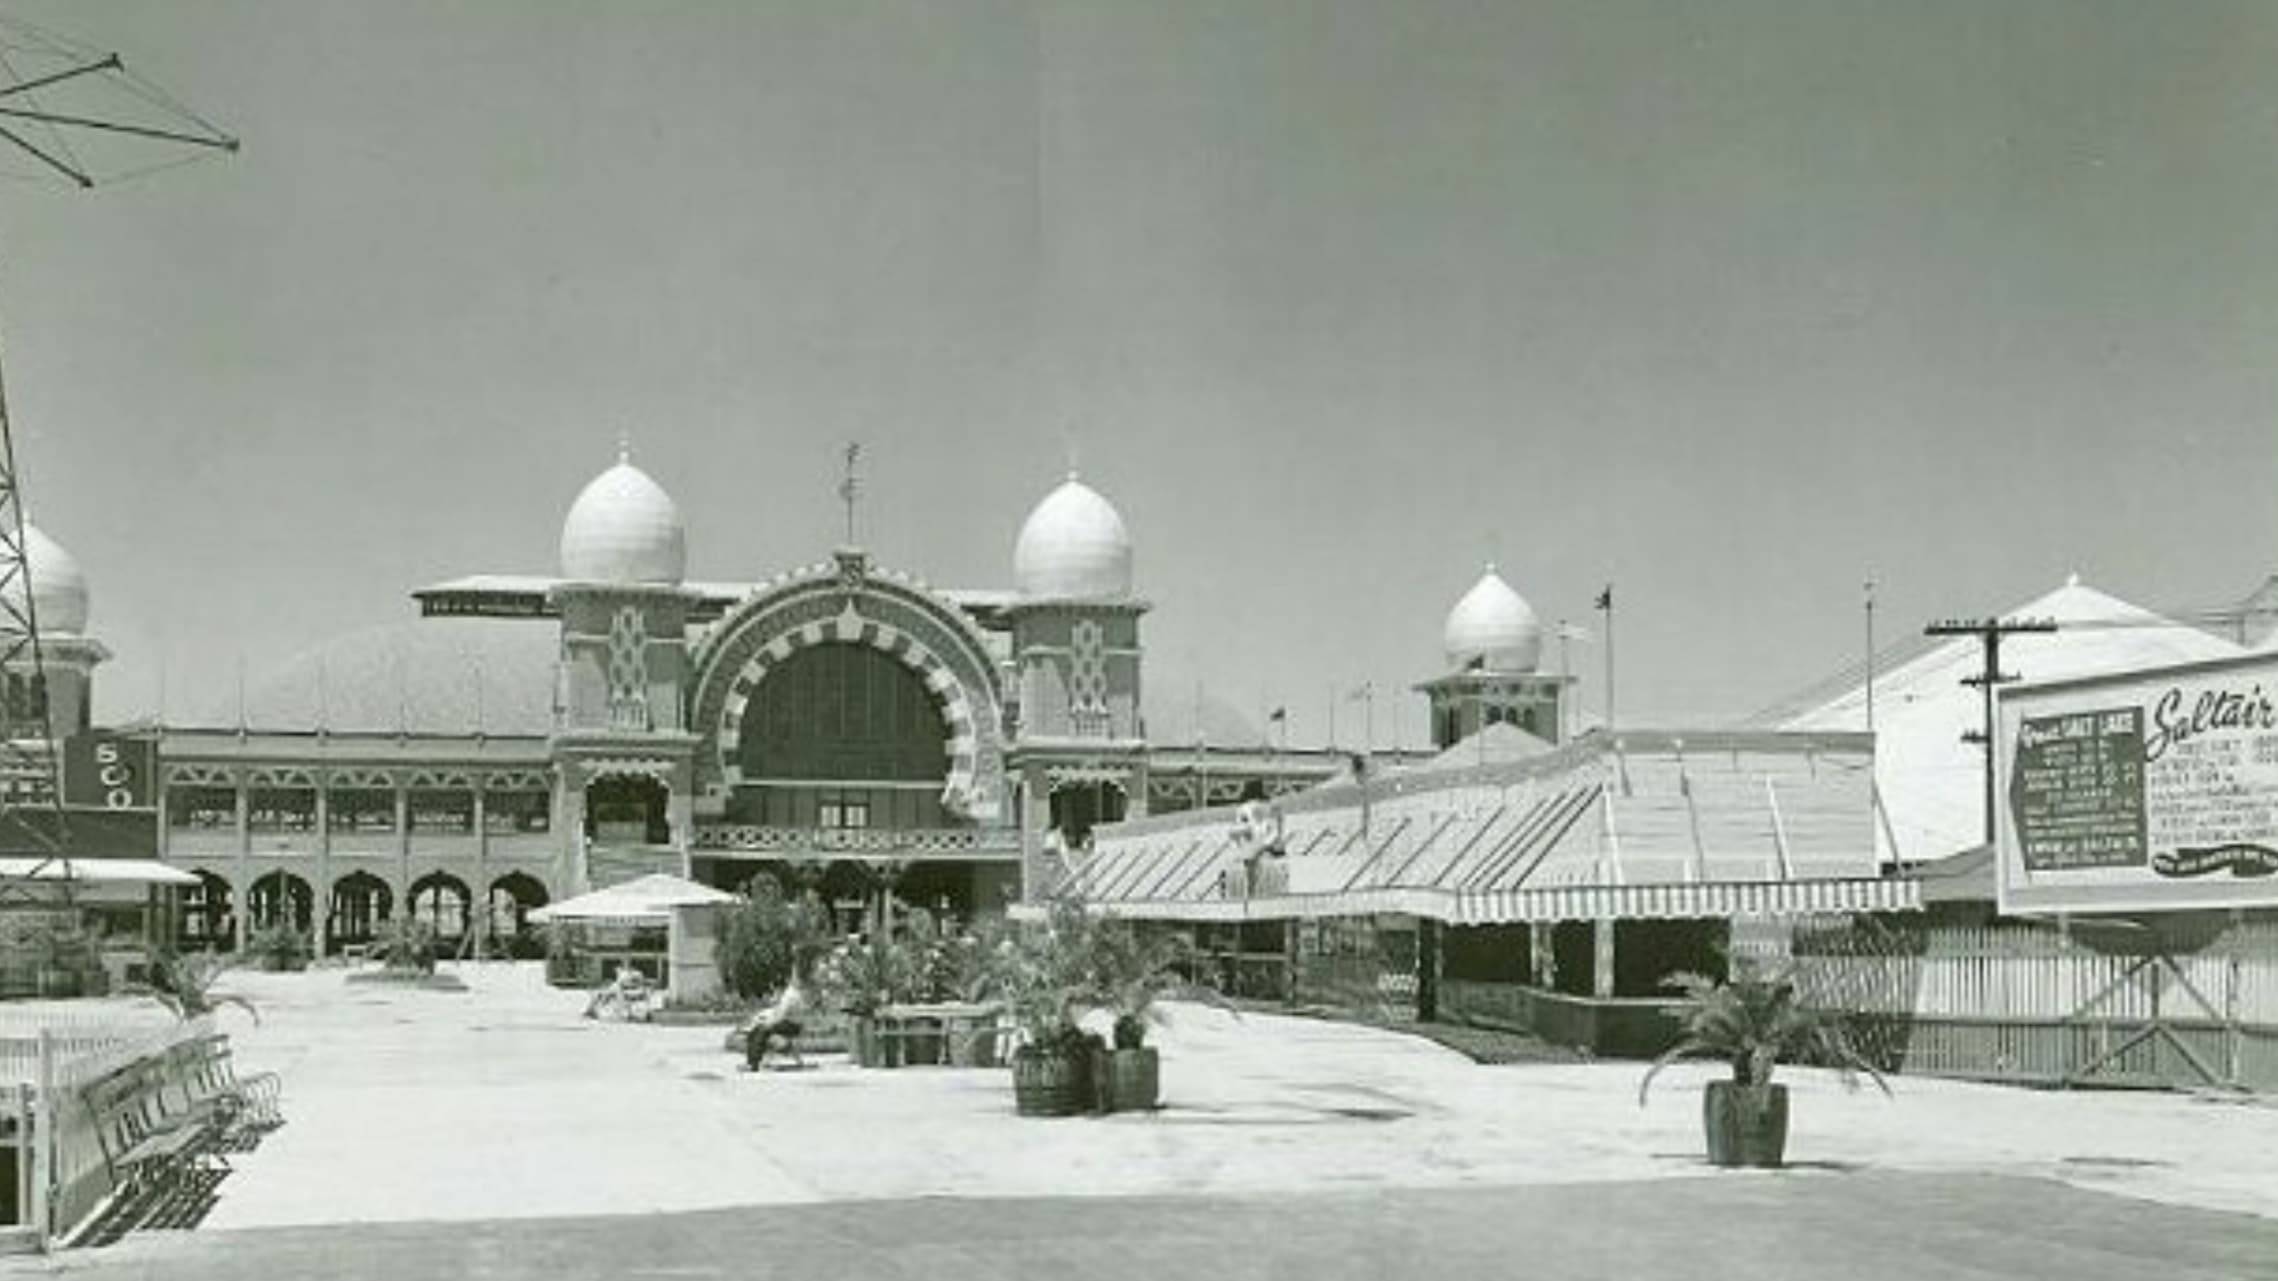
(624, 528)
(1073, 547)
(59, 586)
(1494, 627)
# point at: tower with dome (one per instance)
(1493, 645)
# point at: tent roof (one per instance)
(1931, 782)
(647, 898)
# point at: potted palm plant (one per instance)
(1131, 973)
(863, 976)
(1043, 977)
(184, 985)
(1755, 1022)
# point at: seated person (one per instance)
(628, 991)
(780, 1019)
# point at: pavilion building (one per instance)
(842, 726)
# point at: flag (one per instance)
(1278, 714)
(1606, 599)
(1367, 690)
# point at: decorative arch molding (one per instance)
(848, 604)
(654, 769)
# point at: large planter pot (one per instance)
(1049, 1082)
(922, 1044)
(1747, 1125)
(1134, 1080)
(869, 1050)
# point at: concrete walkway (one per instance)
(503, 1103)
(1793, 1226)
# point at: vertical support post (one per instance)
(1427, 970)
(479, 928)
(241, 902)
(1289, 933)
(1602, 967)
(41, 1139)
(1543, 957)
(403, 848)
(320, 894)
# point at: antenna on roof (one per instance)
(850, 486)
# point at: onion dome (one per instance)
(624, 528)
(59, 586)
(1073, 547)
(1493, 628)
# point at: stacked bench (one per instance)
(166, 1116)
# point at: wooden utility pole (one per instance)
(1989, 632)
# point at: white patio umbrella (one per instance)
(647, 900)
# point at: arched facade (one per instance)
(929, 638)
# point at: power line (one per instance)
(1989, 632)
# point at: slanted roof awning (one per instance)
(1703, 901)
(95, 871)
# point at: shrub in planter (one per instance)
(405, 945)
(280, 947)
(1755, 1022)
(766, 938)
(1131, 972)
(185, 985)
(860, 977)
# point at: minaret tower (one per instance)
(1078, 752)
(1494, 652)
(622, 753)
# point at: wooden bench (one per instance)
(960, 1029)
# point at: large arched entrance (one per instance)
(360, 901)
(440, 901)
(842, 737)
(511, 900)
(280, 897)
(206, 913)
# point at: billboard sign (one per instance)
(2141, 791)
(105, 769)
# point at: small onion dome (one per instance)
(59, 586)
(1494, 628)
(624, 528)
(1073, 547)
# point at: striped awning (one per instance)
(1704, 901)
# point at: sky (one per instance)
(1731, 306)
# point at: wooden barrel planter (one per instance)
(1134, 1080)
(1747, 1125)
(1049, 1082)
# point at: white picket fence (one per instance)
(61, 1176)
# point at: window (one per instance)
(442, 810)
(26, 702)
(360, 809)
(281, 809)
(201, 807)
(843, 812)
(520, 811)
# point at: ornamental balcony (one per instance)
(860, 843)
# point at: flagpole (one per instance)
(1870, 611)
(1606, 603)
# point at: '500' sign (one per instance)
(115, 776)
